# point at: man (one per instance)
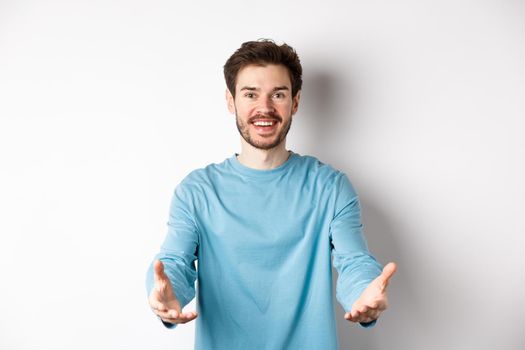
(264, 225)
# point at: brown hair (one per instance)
(263, 52)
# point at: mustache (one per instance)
(270, 115)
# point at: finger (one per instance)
(356, 307)
(378, 304)
(186, 315)
(386, 275)
(362, 309)
(167, 314)
(177, 320)
(374, 314)
(155, 303)
(191, 315)
(360, 312)
(365, 319)
(353, 316)
(173, 316)
(350, 317)
(157, 306)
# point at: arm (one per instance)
(355, 266)
(177, 255)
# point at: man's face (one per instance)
(263, 104)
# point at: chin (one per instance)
(267, 145)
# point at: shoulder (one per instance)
(326, 176)
(201, 178)
(320, 169)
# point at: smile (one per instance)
(265, 126)
(263, 123)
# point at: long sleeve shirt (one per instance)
(264, 242)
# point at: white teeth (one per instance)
(263, 123)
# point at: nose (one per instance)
(265, 106)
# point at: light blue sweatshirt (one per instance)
(264, 240)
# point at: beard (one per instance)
(274, 140)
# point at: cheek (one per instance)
(285, 108)
(245, 109)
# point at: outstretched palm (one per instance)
(374, 299)
(163, 300)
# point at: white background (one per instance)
(106, 105)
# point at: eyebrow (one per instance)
(277, 88)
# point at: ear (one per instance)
(230, 101)
(295, 102)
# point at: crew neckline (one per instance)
(261, 173)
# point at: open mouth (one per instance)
(265, 126)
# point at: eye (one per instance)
(249, 95)
(279, 95)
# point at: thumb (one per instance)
(158, 271)
(388, 272)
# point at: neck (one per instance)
(262, 159)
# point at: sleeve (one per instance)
(355, 266)
(179, 249)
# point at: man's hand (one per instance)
(373, 300)
(163, 301)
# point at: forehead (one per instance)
(263, 77)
